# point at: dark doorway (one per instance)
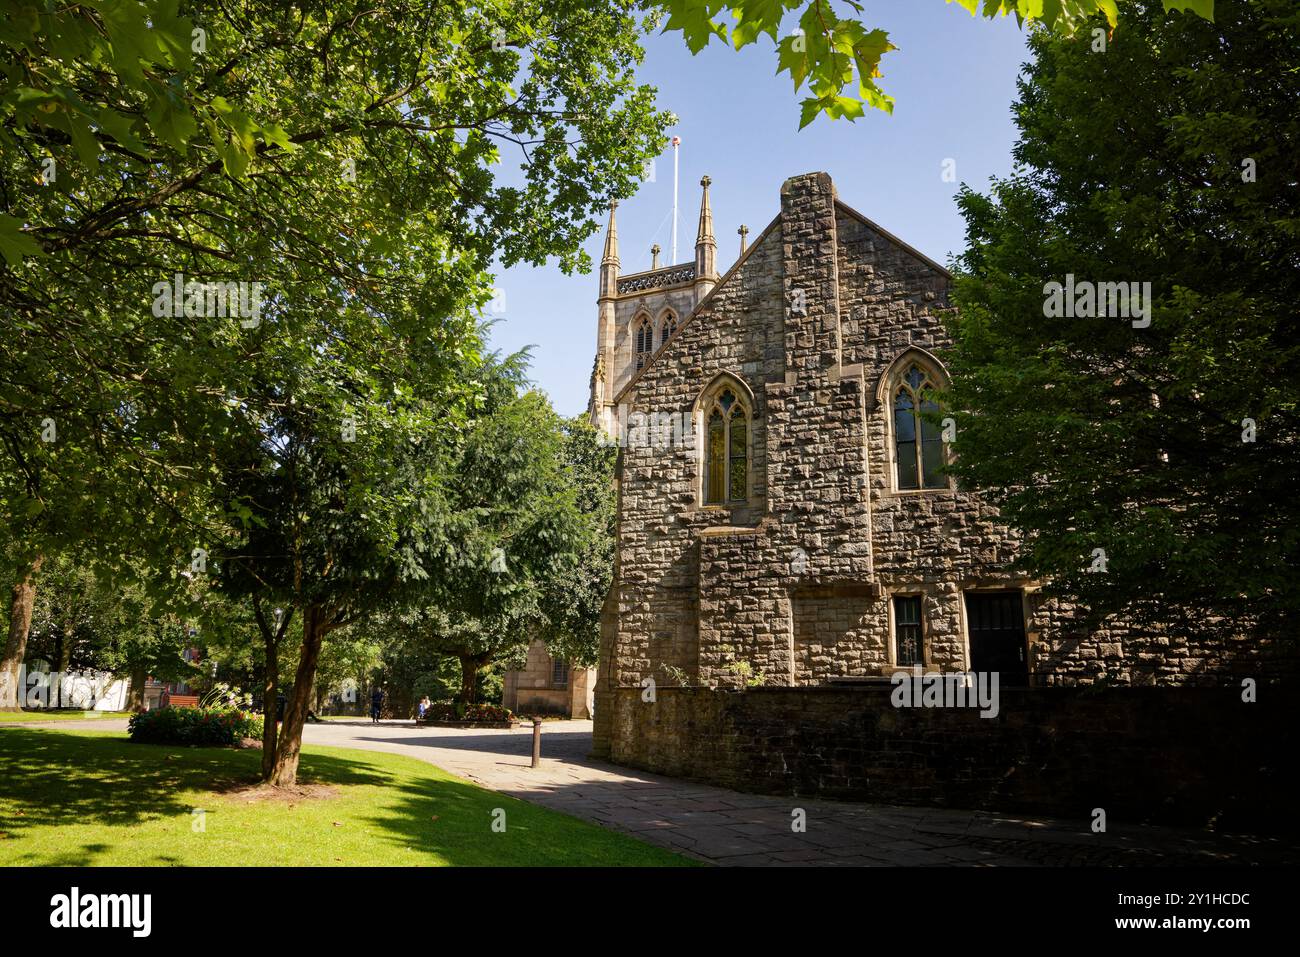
(996, 623)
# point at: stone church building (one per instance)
(784, 519)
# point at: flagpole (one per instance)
(677, 141)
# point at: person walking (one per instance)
(376, 705)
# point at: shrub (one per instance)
(455, 711)
(486, 712)
(441, 711)
(219, 725)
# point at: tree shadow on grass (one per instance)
(469, 826)
(54, 778)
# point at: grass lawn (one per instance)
(76, 798)
(20, 717)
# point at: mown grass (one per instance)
(83, 797)
(42, 714)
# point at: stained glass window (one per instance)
(717, 460)
(726, 451)
(737, 455)
(918, 442)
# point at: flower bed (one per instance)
(453, 714)
(220, 725)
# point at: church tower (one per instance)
(638, 313)
(706, 247)
(601, 381)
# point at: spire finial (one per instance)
(611, 237)
(654, 256)
(705, 233)
(744, 232)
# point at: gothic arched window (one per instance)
(918, 440)
(726, 449)
(645, 336)
(668, 325)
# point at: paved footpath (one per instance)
(731, 828)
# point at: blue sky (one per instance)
(953, 79)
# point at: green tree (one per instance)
(348, 654)
(347, 160)
(838, 57)
(1174, 447)
(515, 529)
(577, 582)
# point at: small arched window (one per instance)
(667, 328)
(645, 336)
(726, 449)
(918, 440)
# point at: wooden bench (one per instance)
(180, 700)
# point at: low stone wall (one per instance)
(1156, 755)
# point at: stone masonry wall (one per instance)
(794, 588)
(661, 520)
(1170, 755)
(628, 309)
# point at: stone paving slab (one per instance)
(734, 829)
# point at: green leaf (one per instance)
(1202, 8)
(83, 139)
(233, 161)
(790, 58)
(120, 128)
(171, 119)
(275, 135)
(14, 243)
(756, 17)
(694, 20)
(868, 51)
(810, 108)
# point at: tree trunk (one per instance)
(65, 647)
(270, 704)
(139, 678)
(469, 667)
(20, 623)
(285, 771)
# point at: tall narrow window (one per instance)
(667, 329)
(737, 452)
(645, 335)
(560, 673)
(717, 468)
(907, 631)
(726, 450)
(918, 442)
